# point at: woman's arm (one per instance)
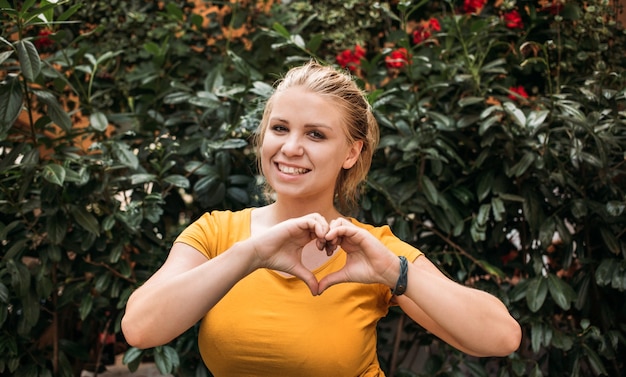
(188, 285)
(180, 293)
(470, 320)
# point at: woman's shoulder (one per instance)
(220, 217)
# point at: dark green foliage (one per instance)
(134, 117)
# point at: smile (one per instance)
(291, 170)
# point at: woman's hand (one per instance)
(367, 259)
(280, 247)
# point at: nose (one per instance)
(292, 146)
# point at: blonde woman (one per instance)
(296, 288)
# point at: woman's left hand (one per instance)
(367, 259)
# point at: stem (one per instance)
(55, 323)
(396, 345)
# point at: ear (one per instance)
(353, 154)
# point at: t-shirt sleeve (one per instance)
(393, 243)
(201, 235)
(217, 231)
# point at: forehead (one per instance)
(298, 103)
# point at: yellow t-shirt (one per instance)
(271, 325)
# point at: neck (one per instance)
(286, 209)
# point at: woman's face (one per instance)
(305, 146)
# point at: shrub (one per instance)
(502, 157)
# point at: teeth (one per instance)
(291, 170)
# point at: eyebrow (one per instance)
(308, 125)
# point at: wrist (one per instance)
(401, 283)
(248, 251)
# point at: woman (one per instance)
(295, 288)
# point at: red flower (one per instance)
(397, 58)
(433, 23)
(420, 34)
(513, 20)
(519, 90)
(554, 8)
(42, 40)
(351, 59)
(473, 6)
(424, 30)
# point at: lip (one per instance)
(291, 170)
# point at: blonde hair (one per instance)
(361, 125)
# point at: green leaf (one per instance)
(562, 293)
(86, 304)
(85, 219)
(281, 30)
(102, 282)
(536, 293)
(177, 98)
(30, 63)
(536, 118)
(54, 174)
(58, 115)
(5, 55)
(132, 358)
(11, 100)
(137, 179)
(595, 361)
(562, 341)
(31, 309)
(615, 208)
(206, 183)
(166, 358)
(98, 121)
(4, 293)
(56, 227)
(314, 43)
(69, 12)
(132, 354)
(491, 269)
(483, 187)
(125, 155)
(536, 336)
(522, 165)
(498, 209)
(54, 253)
(16, 249)
(483, 214)
(610, 241)
(20, 277)
(429, 189)
(467, 101)
(237, 194)
(605, 271)
(515, 113)
(177, 180)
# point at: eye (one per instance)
(279, 128)
(317, 135)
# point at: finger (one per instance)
(321, 244)
(330, 248)
(307, 277)
(330, 280)
(339, 228)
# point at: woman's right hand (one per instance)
(280, 247)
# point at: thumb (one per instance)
(307, 277)
(330, 280)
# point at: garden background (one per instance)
(503, 157)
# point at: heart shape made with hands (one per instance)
(365, 262)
